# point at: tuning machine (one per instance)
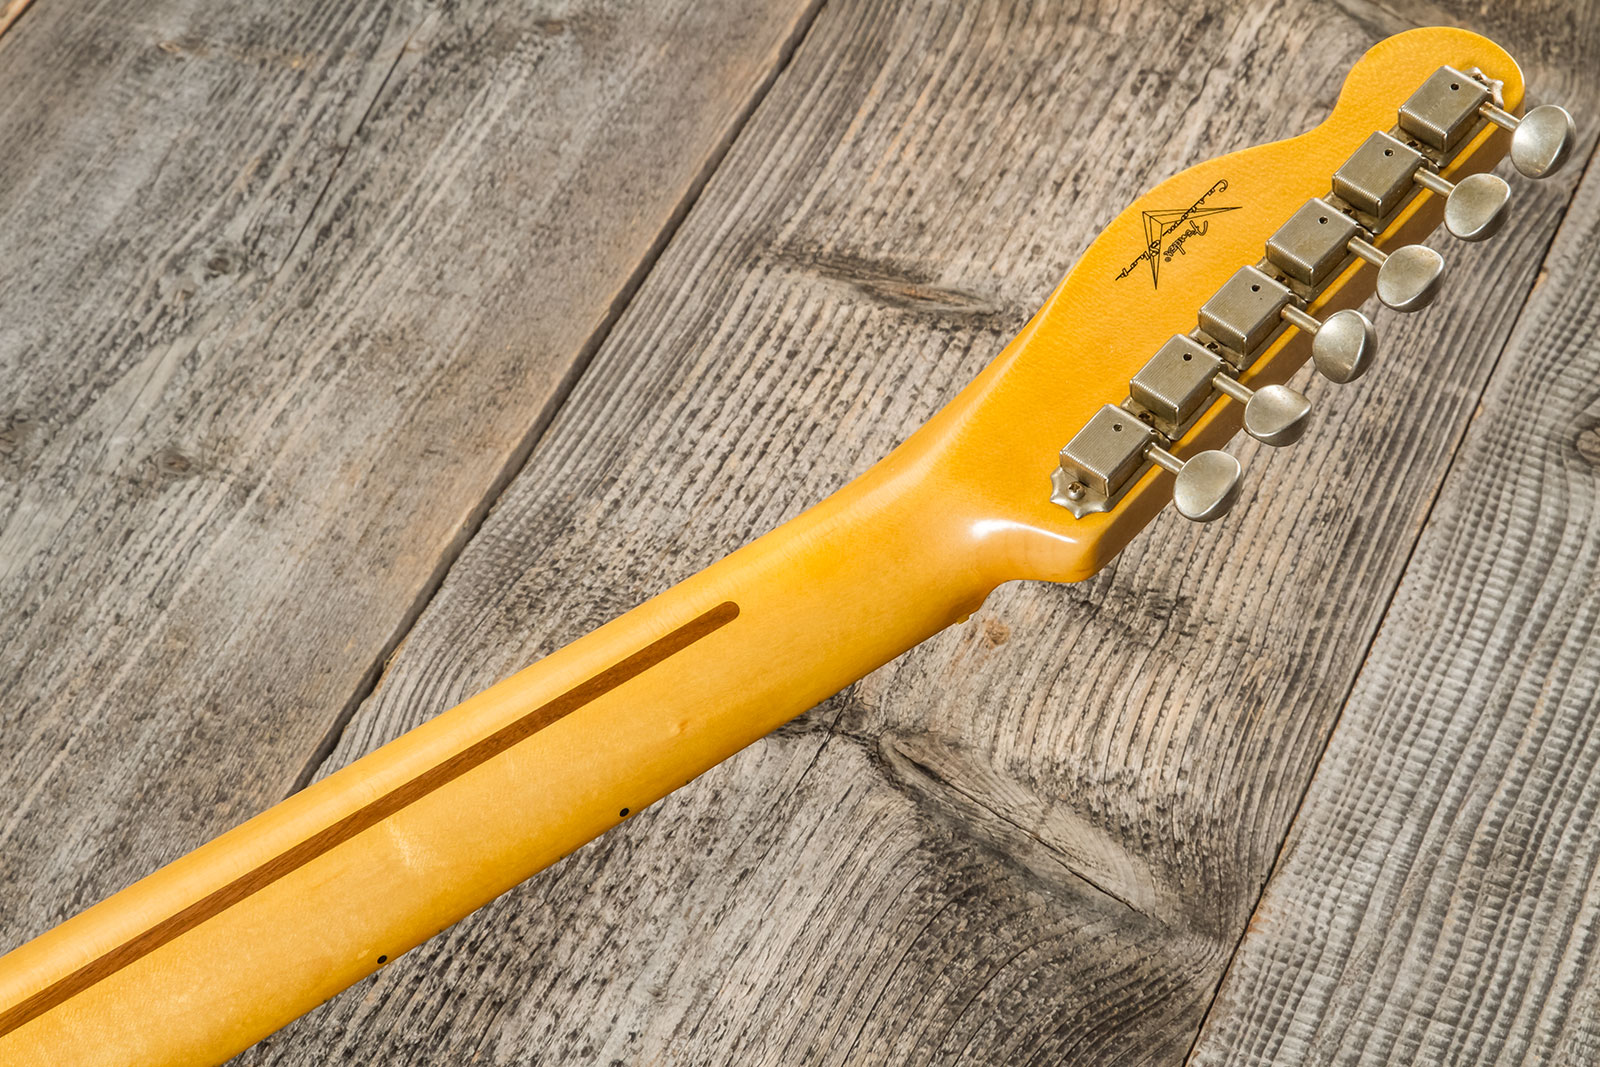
(1376, 180)
(1252, 305)
(1449, 104)
(1106, 456)
(1177, 382)
(1180, 381)
(1314, 243)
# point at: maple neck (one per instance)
(230, 942)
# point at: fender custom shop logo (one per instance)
(1168, 231)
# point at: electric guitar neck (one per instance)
(1181, 325)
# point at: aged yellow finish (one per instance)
(220, 948)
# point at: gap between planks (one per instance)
(558, 398)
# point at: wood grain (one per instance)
(1439, 898)
(287, 291)
(1037, 838)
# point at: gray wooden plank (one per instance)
(1037, 838)
(1439, 897)
(287, 291)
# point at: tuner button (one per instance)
(1343, 347)
(1541, 140)
(1277, 415)
(1205, 487)
(1274, 415)
(1474, 209)
(1408, 278)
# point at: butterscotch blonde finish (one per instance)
(220, 948)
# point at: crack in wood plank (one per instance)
(1343, 1017)
(540, 425)
(225, 471)
(1178, 700)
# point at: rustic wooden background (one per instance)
(353, 355)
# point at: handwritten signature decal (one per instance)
(1167, 231)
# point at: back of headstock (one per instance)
(1183, 320)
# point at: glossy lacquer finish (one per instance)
(220, 948)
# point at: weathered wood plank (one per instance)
(286, 292)
(1037, 838)
(1439, 899)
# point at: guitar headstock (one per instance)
(1183, 320)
